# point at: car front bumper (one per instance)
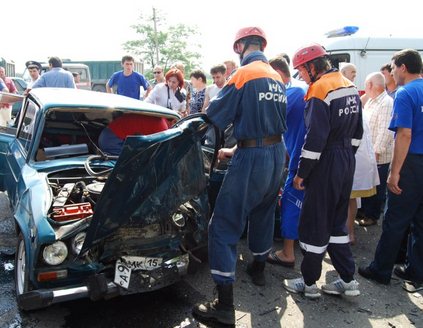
(101, 286)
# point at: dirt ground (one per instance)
(377, 306)
(271, 306)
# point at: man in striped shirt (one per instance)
(378, 113)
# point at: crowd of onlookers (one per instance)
(381, 129)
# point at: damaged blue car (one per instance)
(93, 225)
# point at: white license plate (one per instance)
(126, 264)
(142, 263)
(122, 274)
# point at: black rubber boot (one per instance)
(220, 310)
(256, 271)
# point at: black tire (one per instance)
(99, 88)
(21, 270)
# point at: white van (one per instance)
(369, 54)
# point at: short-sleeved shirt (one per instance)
(378, 114)
(129, 85)
(212, 91)
(56, 77)
(8, 82)
(197, 100)
(408, 113)
(10, 85)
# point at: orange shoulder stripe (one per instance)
(252, 71)
(326, 84)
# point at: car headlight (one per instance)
(77, 242)
(178, 219)
(56, 253)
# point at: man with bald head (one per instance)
(378, 113)
(349, 71)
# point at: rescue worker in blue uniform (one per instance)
(292, 199)
(254, 100)
(405, 180)
(333, 119)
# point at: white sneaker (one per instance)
(298, 286)
(339, 287)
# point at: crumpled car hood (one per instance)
(153, 176)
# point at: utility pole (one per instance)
(155, 36)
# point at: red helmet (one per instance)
(250, 31)
(308, 53)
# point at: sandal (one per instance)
(274, 259)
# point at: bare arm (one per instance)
(206, 103)
(402, 144)
(108, 89)
(148, 91)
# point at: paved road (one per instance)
(378, 306)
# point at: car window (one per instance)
(27, 127)
(20, 85)
(339, 58)
(81, 71)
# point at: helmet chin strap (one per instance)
(310, 75)
(246, 45)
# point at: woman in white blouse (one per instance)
(170, 94)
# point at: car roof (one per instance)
(77, 98)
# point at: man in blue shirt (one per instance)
(292, 199)
(405, 180)
(56, 77)
(127, 81)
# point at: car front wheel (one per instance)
(21, 269)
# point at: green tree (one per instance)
(168, 44)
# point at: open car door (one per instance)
(10, 98)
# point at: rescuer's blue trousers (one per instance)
(324, 214)
(248, 193)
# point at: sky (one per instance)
(96, 29)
